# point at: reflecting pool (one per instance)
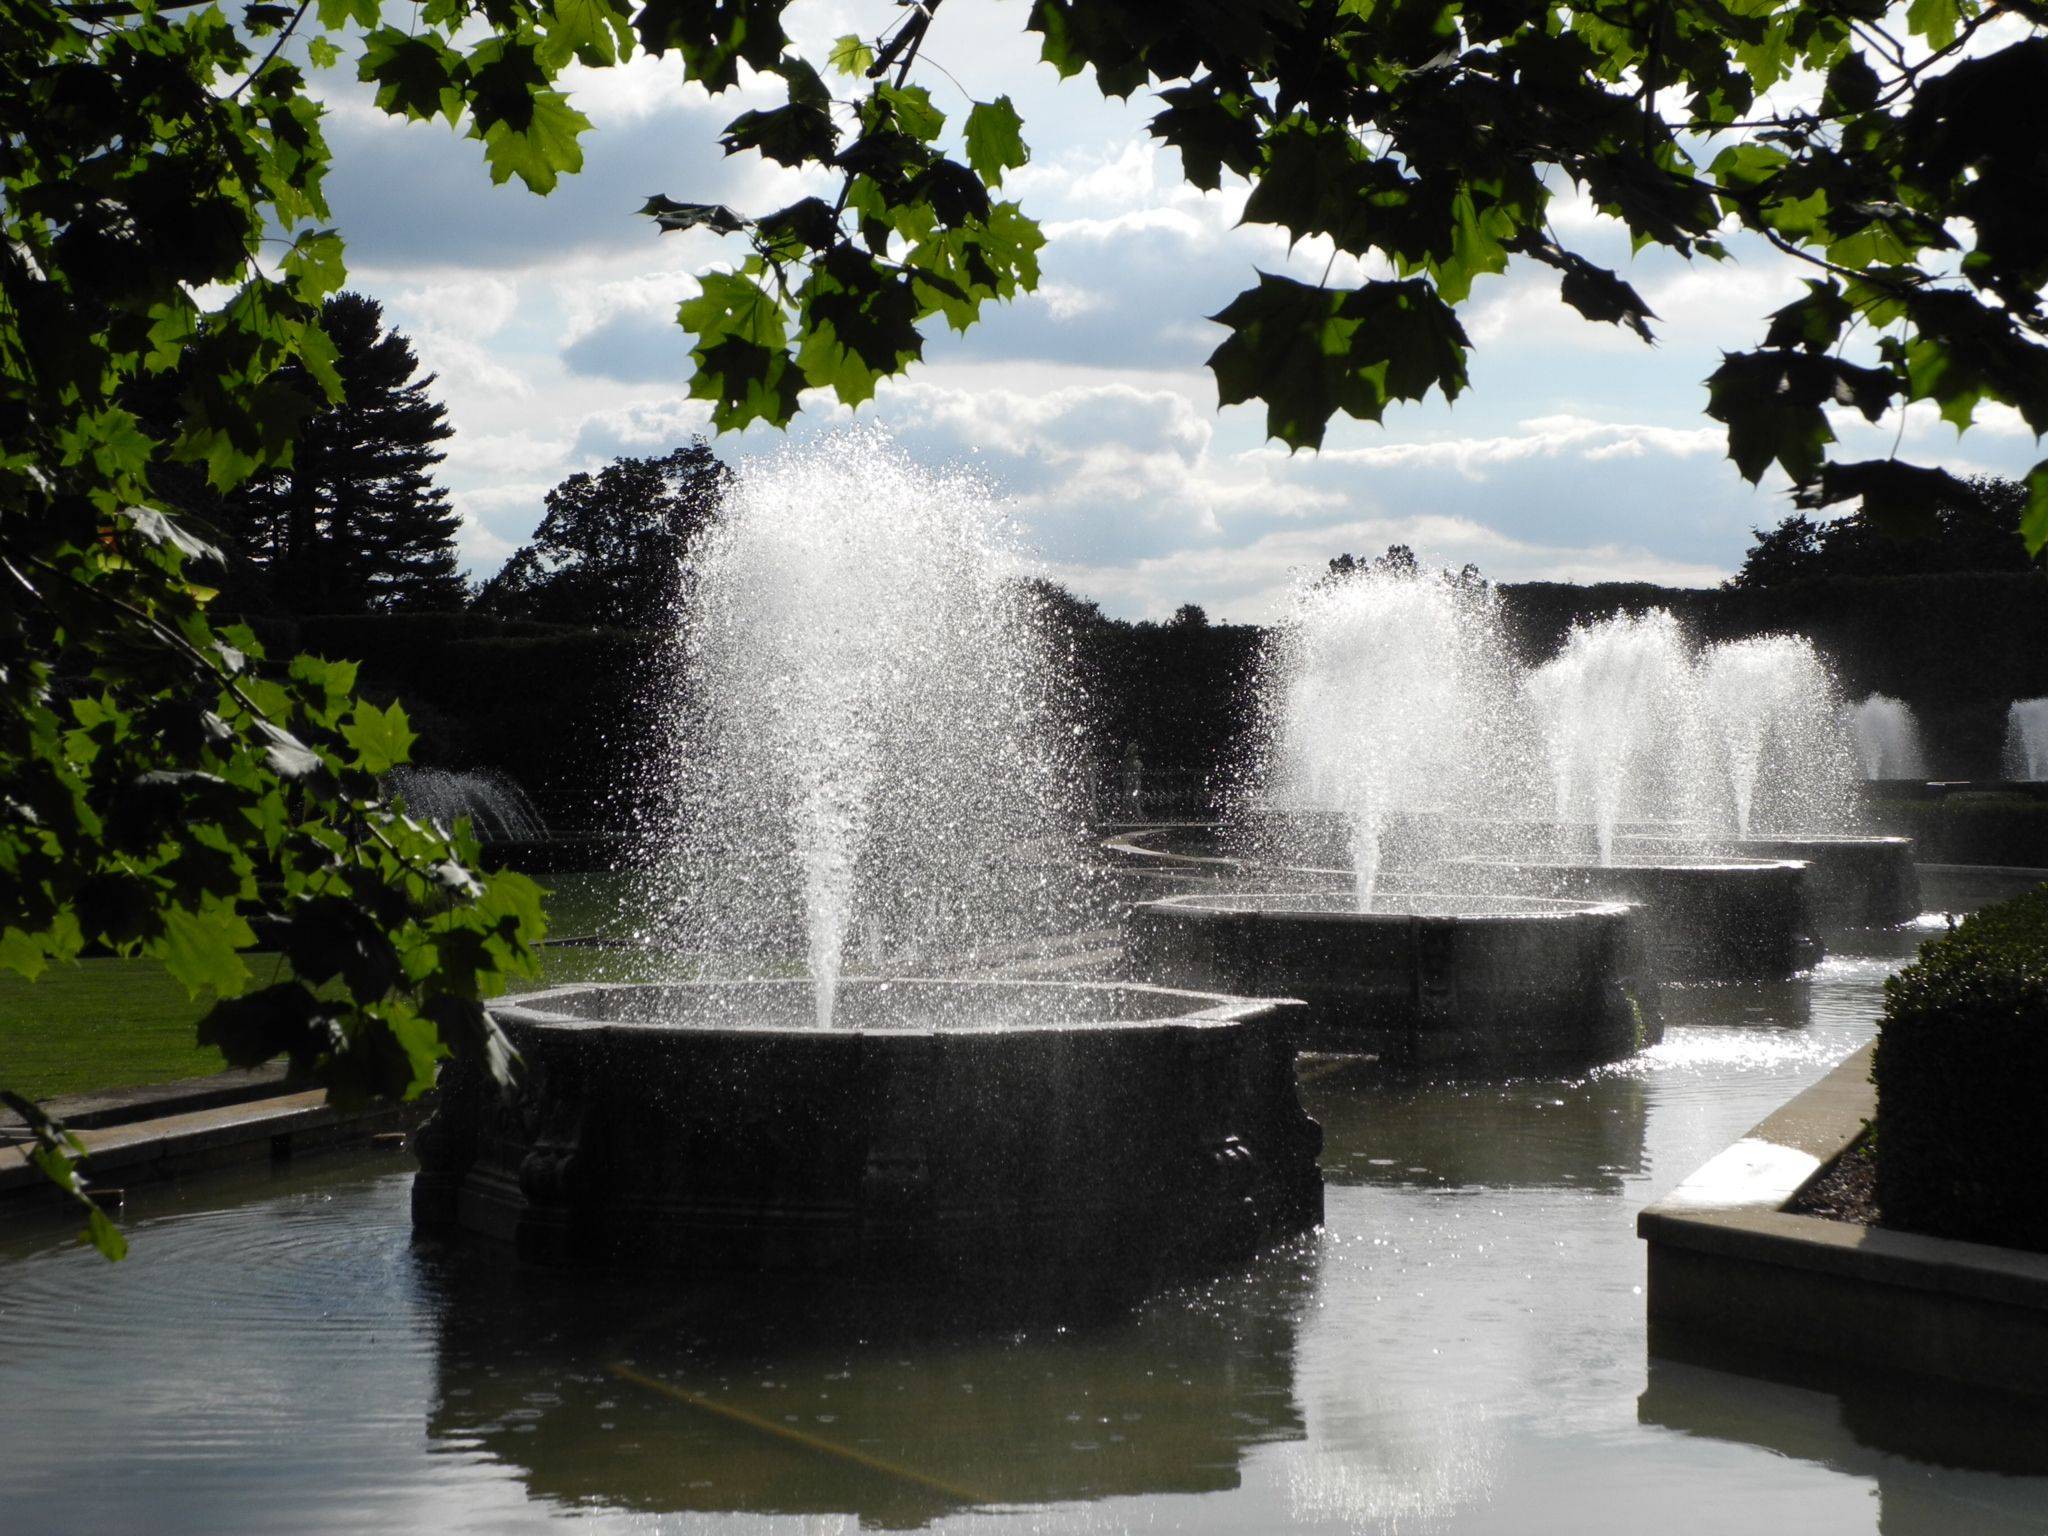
(1461, 1348)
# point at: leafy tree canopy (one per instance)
(612, 546)
(1428, 138)
(1977, 528)
(165, 789)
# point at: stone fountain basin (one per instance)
(1851, 881)
(937, 1128)
(1447, 979)
(1699, 918)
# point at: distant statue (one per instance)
(1133, 781)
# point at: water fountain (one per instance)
(1391, 718)
(868, 760)
(1619, 716)
(1436, 981)
(1774, 723)
(496, 808)
(1737, 770)
(1374, 686)
(1887, 739)
(1630, 724)
(1713, 794)
(1790, 769)
(2026, 740)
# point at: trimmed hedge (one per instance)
(1962, 1082)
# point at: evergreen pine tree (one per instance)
(356, 523)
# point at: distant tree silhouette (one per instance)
(1978, 530)
(1399, 560)
(1189, 616)
(612, 546)
(356, 523)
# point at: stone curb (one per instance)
(166, 1146)
(1727, 1263)
(118, 1106)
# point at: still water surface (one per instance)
(1460, 1349)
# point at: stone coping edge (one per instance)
(1727, 1260)
(148, 1101)
(220, 1135)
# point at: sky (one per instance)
(1578, 453)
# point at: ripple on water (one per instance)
(221, 1334)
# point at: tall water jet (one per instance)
(2026, 739)
(1774, 718)
(1887, 739)
(865, 733)
(1376, 692)
(1618, 715)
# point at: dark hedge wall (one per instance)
(1958, 648)
(565, 710)
(1962, 1059)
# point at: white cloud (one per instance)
(1539, 437)
(1250, 582)
(474, 306)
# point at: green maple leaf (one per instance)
(746, 383)
(202, 949)
(793, 135)
(995, 140)
(593, 32)
(1310, 352)
(827, 364)
(729, 304)
(1936, 20)
(334, 14)
(543, 149)
(316, 264)
(1771, 402)
(914, 110)
(382, 737)
(2034, 521)
(418, 77)
(851, 56)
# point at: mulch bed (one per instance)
(1846, 1192)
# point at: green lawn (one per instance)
(114, 1023)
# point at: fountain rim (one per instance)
(1220, 1010)
(1705, 863)
(1825, 839)
(1548, 908)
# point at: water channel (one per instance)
(1461, 1348)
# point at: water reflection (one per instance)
(892, 1409)
(1892, 1431)
(1538, 1132)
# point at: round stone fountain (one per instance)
(1698, 918)
(1438, 981)
(712, 1128)
(1851, 881)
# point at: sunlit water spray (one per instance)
(1380, 690)
(867, 738)
(1786, 759)
(1887, 739)
(1618, 713)
(2026, 739)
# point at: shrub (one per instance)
(1962, 1082)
